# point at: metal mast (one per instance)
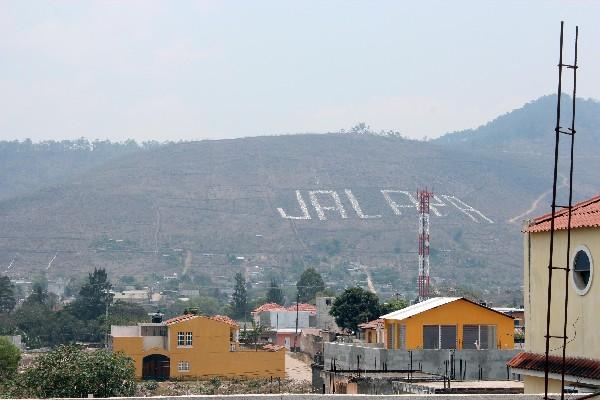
(558, 131)
(423, 208)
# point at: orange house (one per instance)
(448, 323)
(194, 347)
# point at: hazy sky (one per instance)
(216, 69)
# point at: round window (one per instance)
(582, 269)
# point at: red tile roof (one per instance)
(303, 307)
(574, 366)
(585, 214)
(376, 323)
(180, 318)
(268, 307)
(272, 347)
(225, 319)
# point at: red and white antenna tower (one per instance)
(423, 208)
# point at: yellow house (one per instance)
(582, 363)
(193, 346)
(448, 323)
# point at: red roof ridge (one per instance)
(584, 214)
(225, 319)
(180, 318)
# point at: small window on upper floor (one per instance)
(184, 339)
(582, 269)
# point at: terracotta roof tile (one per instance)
(303, 307)
(376, 323)
(268, 307)
(180, 318)
(272, 347)
(225, 319)
(574, 366)
(585, 214)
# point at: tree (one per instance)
(309, 284)
(94, 296)
(239, 299)
(68, 371)
(7, 295)
(10, 356)
(355, 306)
(392, 305)
(274, 294)
(122, 313)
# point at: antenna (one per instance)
(558, 131)
(423, 208)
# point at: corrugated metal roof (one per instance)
(574, 366)
(419, 308)
(585, 214)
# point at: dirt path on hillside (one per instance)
(537, 201)
(297, 370)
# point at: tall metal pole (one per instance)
(423, 208)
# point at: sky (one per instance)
(184, 70)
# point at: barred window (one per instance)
(184, 338)
(183, 366)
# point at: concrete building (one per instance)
(194, 347)
(325, 320)
(448, 323)
(133, 296)
(582, 364)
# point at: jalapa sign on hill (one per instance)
(329, 203)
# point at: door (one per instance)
(287, 342)
(156, 367)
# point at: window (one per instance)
(439, 336)
(480, 337)
(390, 337)
(183, 366)
(582, 270)
(184, 339)
(402, 338)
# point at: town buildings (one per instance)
(281, 321)
(194, 347)
(582, 363)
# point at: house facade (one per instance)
(194, 347)
(447, 323)
(582, 361)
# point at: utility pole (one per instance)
(296, 334)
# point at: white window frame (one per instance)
(586, 289)
(184, 339)
(183, 366)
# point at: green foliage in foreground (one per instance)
(69, 371)
(9, 359)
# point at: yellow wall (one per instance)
(535, 385)
(460, 312)
(584, 319)
(209, 355)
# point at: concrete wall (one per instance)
(349, 356)
(584, 319)
(351, 397)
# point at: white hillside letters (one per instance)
(305, 214)
(398, 201)
(321, 209)
(356, 206)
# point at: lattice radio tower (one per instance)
(423, 208)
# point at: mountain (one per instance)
(270, 206)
